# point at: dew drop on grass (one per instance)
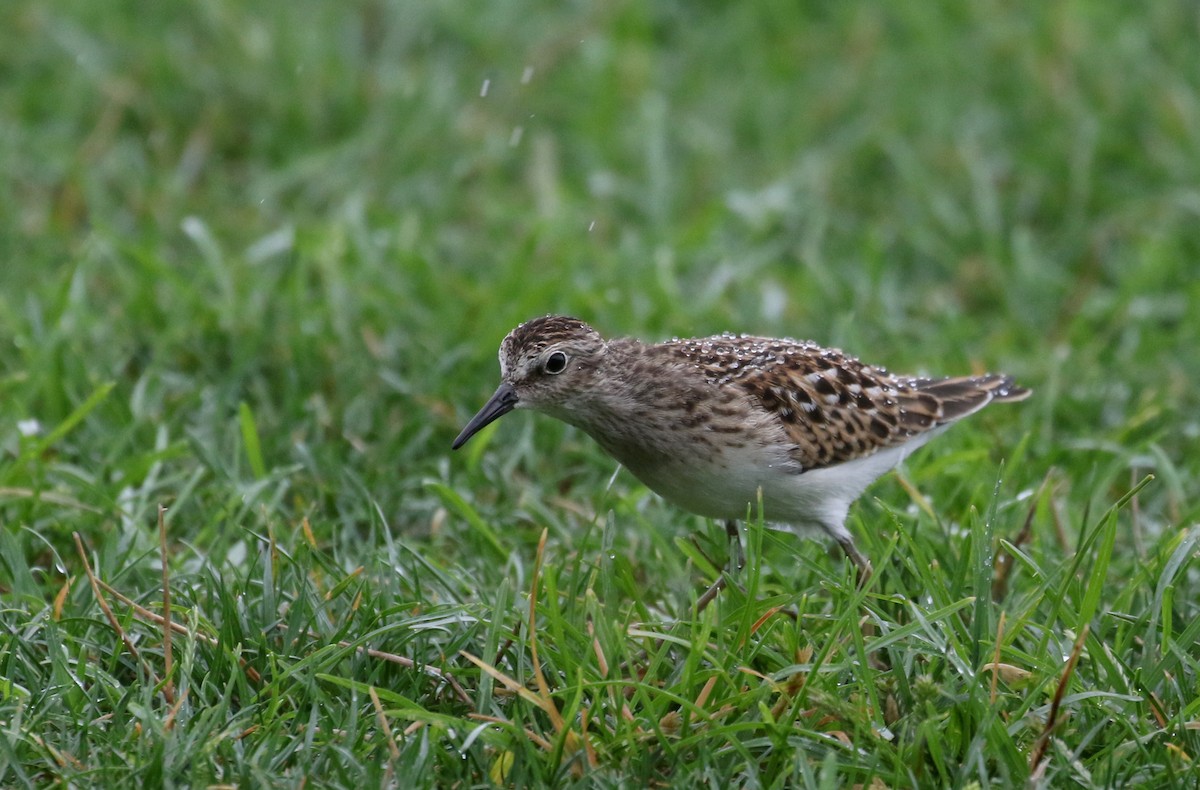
(483, 91)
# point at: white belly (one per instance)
(723, 485)
(726, 485)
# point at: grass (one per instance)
(254, 265)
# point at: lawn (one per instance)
(255, 264)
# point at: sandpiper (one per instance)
(708, 423)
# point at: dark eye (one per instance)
(556, 362)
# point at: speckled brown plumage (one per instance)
(708, 423)
(833, 407)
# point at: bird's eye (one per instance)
(556, 362)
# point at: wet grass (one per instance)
(254, 267)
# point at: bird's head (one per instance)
(545, 365)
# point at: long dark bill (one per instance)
(502, 402)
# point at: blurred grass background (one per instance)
(291, 237)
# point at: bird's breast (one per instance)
(714, 479)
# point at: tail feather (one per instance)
(940, 401)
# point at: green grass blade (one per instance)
(251, 441)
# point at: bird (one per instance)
(712, 423)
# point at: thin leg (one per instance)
(737, 557)
(863, 566)
(737, 561)
(711, 593)
(861, 562)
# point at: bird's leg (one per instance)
(863, 566)
(737, 558)
(711, 593)
(737, 561)
(857, 557)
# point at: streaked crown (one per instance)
(544, 344)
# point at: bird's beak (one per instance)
(502, 402)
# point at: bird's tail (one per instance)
(962, 395)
